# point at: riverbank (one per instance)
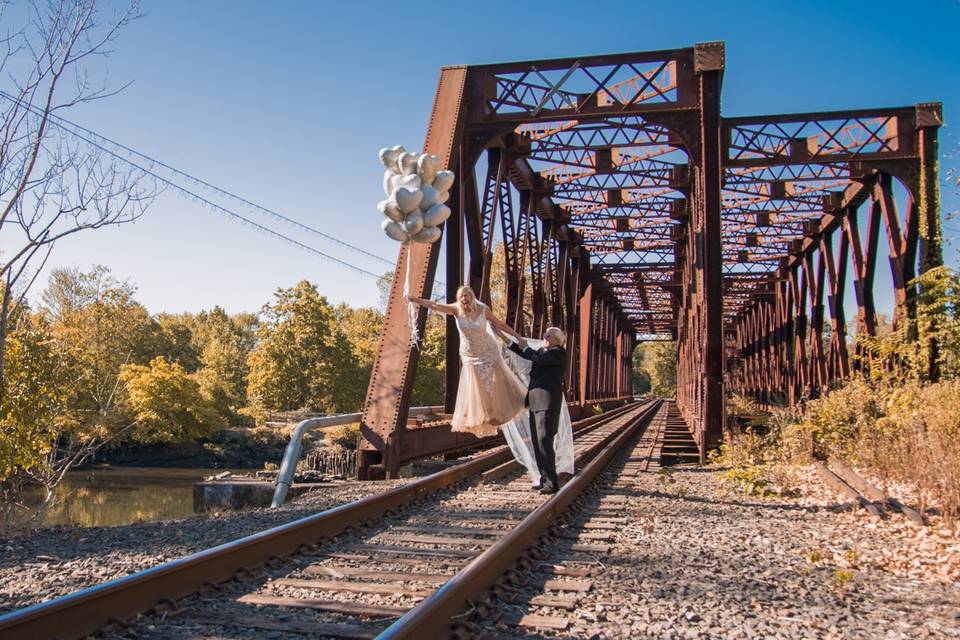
(229, 449)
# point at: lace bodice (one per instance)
(477, 344)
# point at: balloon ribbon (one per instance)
(412, 309)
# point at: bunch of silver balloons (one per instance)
(416, 191)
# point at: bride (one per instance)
(492, 391)
(490, 394)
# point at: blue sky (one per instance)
(287, 103)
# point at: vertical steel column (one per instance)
(385, 408)
(586, 338)
(454, 276)
(709, 65)
(572, 325)
(929, 118)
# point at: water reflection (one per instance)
(123, 495)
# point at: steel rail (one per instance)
(431, 618)
(79, 614)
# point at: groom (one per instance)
(544, 397)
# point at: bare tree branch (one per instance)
(53, 183)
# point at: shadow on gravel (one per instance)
(751, 504)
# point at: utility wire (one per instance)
(65, 124)
(74, 129)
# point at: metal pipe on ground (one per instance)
(291, 455)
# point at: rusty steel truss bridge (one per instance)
(630, 209)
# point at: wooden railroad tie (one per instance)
(333, 606)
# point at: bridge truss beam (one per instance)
(630, 209)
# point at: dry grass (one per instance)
(905, 433)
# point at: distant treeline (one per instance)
(90, 365)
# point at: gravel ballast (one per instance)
(696, 560)
(693, 560)
(54, 561)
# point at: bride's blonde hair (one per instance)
(464, 289)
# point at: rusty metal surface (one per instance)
(391, 380)
(431, 618)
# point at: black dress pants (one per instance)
(544, 424)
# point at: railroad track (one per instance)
(418, 555)
(541, 598)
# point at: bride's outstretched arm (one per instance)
(500, 325)
(449, 309)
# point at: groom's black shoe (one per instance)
(537, 487)
(548, 489)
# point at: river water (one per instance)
(123, 495)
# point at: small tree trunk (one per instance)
(4, 315)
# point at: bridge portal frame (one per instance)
(728, 251)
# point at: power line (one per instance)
(67, 125)
(73, 128)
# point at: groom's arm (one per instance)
(550, 358)
(526, 353)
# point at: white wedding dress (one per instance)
(489, 393)
(517, 432)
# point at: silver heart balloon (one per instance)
(408, 200)
(429, 197)
(394, 231)
(427, 235)
(413, 224)
(436, 215)
(443, 196)
(407, 163)
(395, 179)
(411, 182)
(388, 182)
(427, 168)
(443, 181)
(390, 209)
(388, 156)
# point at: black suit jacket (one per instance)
(546, 378)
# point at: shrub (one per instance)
(345, 436)
(832, 422)
(167, 404)
(917, 441)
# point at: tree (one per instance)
(33, 395)
(64, 397)
(217, 349)
(53, 182)
(361, 330)
(641, 379)
(362, 327)
(300, 354)
(179, 342)
(384, 283)
(655, 364)
(99, 327)
(428, 382)
(166, 403)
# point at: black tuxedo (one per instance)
(544, 397)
